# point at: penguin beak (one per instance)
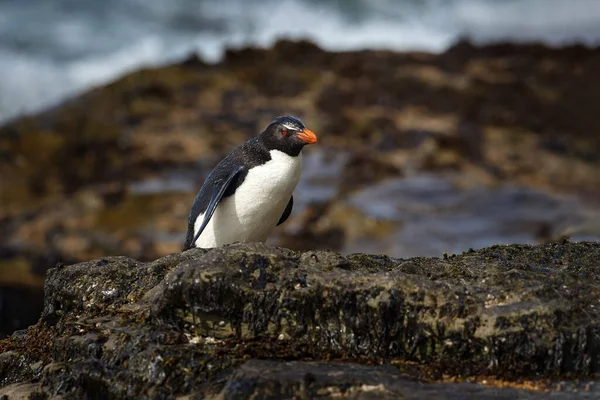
(307, 136)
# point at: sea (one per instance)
(54, 49)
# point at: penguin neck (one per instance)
(288, 148)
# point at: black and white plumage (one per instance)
(250, 191)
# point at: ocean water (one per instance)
(52, 49)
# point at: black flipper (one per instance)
(221, 187)
(287, 211)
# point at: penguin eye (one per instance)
(284, 132)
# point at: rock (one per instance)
(309, 380)
(21, 391)
(186, 325)
(15, 367)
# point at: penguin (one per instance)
(249, 192)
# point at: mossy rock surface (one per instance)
(188, 323)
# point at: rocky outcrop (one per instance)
(199, 323)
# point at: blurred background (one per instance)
(50, 49)
(443, 125)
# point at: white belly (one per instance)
(251, 213)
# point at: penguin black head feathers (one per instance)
(287, 134)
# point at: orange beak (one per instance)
(307, 136)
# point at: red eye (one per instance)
(284, 132)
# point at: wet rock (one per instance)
(15, 367)
(308, 380)
(186, 323)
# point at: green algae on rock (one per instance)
(184, 324)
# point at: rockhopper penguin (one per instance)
(250, 191)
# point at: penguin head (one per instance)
(287, 134)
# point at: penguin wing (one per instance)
(287, 211)
(218, 190)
